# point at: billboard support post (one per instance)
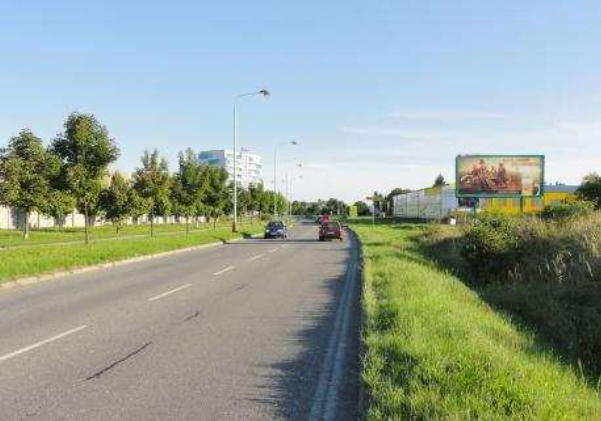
(521, 204)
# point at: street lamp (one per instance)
(288, 179)
(265, 93)
(275, 173)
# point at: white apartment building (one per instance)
(249, 166)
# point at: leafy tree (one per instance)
(119, 200)
(217, 196)
(190, 186)
(255, 193)
(244, 201)
(439, 181)
(86, 151)
(152, 182)
(590, 189)
(380, 203)
(362, 208)
(25, 175)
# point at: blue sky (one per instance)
(378, 94)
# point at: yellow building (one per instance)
(554, 195)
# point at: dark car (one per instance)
(330, 230)
(276, 229)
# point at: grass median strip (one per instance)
(435, 350)
(20, 263)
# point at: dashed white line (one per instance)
(273, 250)
(254, 258)
(39, 344)
(227, 269)
(172, 291)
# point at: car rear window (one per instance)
(333, 225)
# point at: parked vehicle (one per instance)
(276, 229)
(330, 230)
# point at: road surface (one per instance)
(252, 330)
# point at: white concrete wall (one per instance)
(11, 219)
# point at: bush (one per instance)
(568, 210)
(526, 248)
(491, 246)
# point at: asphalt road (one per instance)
(252, 330)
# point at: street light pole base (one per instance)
(234, 227)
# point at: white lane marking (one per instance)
(39, 344)
(326, 396)
(273, 250)
(254, 258)
(172, 291)
(227, 269)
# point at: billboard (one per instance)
(500, 175)
(352, 211)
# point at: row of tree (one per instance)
(331, 206)
(72, 173)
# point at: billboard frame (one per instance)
(498, 195)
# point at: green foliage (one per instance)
(439, 181)
(25, 170)
(491, 246)
(85, 150)
(549, 275)
(152, 182)
(120, 201)
(590, 189)
(189, 187)
(435, 350)
(566, 211)
(362, 208)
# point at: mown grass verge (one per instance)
(25, 262)
(14, 238)
(435, 350)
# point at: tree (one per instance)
(86, 150)
(380, 203)
(255, 193)
(25, 175)
(439, 181)
(217, 197)
(590, 189)
(119, 200)
(362, 208)
(190, 186)
(152, 182)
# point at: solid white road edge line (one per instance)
(254, 258)
(173, 291)
(326, 394)
(227, 269)
(39, 344)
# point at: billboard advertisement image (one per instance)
(500, 175)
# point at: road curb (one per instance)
(75, 271)
(363, 399)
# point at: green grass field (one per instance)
(435, 350)
(44, 258)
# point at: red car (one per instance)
(330, 230)
(323, 219)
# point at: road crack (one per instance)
(116, 363)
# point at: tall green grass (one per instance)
(546, 272)
(435, 350)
